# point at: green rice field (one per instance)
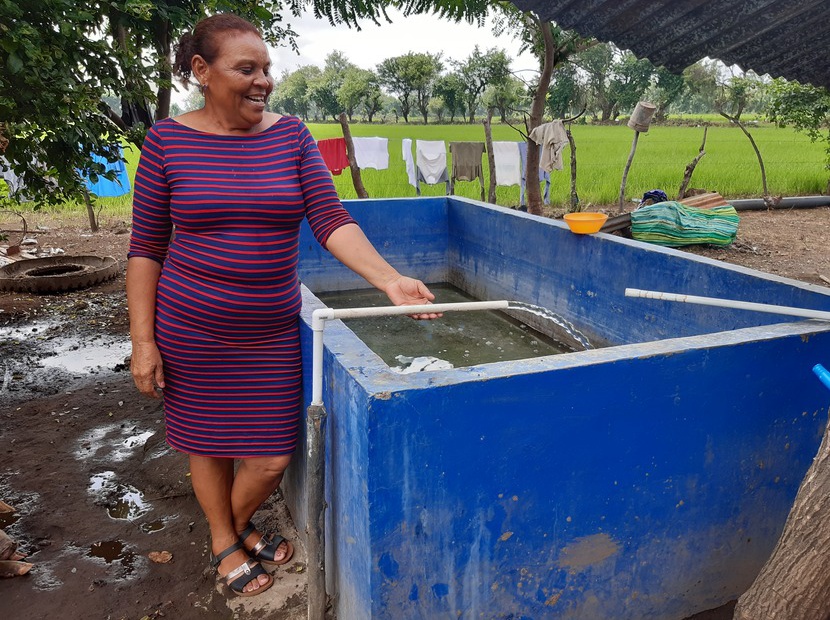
(794, 165)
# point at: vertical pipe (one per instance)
(316, 505)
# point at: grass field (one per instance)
(794, 165)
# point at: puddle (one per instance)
(8, 519)
(156, 526)
(76, 357)
(37, 330)
(120, 441)
(121, 500)
(114, 551)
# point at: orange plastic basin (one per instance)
(585, 223)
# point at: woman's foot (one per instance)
(273, 549)
(242, 574)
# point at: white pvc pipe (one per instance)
(730, 303)
(321, 315)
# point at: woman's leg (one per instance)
(256, 479)
(213, 481)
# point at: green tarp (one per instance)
(674, 224)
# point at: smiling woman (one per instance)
(214, 308)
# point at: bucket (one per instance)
(641, 117)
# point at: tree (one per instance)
(596, 63)
(805, 107)
(450, 89)
(631, 77)
(478, 71)
(411, 78)
(291, 93)
(323, 89)
(565, 95)
(505, 96)
(51, 90)
(667, 88)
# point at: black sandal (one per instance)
(266, 549)
(243, 574)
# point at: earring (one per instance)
(203, 88)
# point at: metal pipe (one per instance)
(794, 202)
(730, 303)
(315, 417)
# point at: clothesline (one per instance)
(429, 163)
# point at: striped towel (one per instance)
(674, 224)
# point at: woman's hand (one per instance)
(147, 368)
(406, 291)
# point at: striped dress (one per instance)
(229, 296)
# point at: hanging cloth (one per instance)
(508, 163)
(431, 162)
(466, 163)
(406, 151)
(333, 151)
(371, 152)
(553, 138)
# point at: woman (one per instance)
(214, 311)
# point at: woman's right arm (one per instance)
(145, 363)
(149, 241)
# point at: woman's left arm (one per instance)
(350, 246)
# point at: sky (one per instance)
(373, 44)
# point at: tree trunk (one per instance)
(162, 36)
(537, 109)
(491, 158)
(353, 168)
(736, 120)
(794, 584)
(687, 176)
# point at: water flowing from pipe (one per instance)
(562, 322)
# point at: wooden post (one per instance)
(356, 178)
(491, 158)
(316, 517)
(574, 195)
(620, 207)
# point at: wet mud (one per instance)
(95, 486)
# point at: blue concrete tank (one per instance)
(646, 479)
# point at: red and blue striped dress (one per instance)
(229, 295)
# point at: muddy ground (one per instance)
(97, 490)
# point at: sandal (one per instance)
(243, 574)
(267, 548)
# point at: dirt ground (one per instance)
(95, 487)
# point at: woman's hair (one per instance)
(205, 40)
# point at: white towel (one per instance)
(371, 152)
(553, 138)
(406, 150)
(508, 163)
(431, 157)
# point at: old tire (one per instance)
(56, 274)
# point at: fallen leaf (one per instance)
(160, 557)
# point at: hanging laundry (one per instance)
(466, 163)
(14, 182)
(431, 159)
(333, 151)
(553, 138)
(543, 176)
(508, 163)
(406, 151)
(105, 187)
(431, 162)
(371, 152)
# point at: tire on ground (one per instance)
(56, 274)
